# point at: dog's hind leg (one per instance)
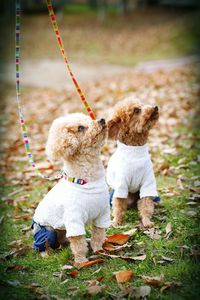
(146, 209)
(98, 237)
(79, 248)
(119, 210)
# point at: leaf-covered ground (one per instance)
(165, 258)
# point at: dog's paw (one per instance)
(115, 224)
(79, 262)
(147, 223)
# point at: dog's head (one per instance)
(75, 134)
(132, 121)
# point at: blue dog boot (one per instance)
(41, 235)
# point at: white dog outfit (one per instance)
(130, 170)
(70, 206)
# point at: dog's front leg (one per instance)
(79, 248)
(146, 209)
(119, 210)
(98, 238)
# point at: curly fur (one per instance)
(129, 127)
(79, 151)
(130, 124)
(76, 141)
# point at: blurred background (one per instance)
(120, 32)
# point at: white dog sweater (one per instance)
(70, 206)
(130, 170)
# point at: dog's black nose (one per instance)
(156, 108)
(102, 122)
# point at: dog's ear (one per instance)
(60, 143)
(113, 127)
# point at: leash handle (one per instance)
(18, 99)
(60, 43)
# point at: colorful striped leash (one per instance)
(21, 116)
(60, 43)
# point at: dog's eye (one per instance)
(81, 128)
(137, 110)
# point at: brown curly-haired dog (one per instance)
(82, 195)
(130, 169)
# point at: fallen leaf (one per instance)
(110, 247)
(15, 244)
(134, 258)
(73, 273)
(13, 282)
(58, 274)
(168, 230)
(195, 189)
(94, 289)
(17, 253)
(64, 281)
(1, 219)
(139, 257)
(191, 213)
(168, 285)
(154, 281)
(93, 282)
(90, 263)
(167, 258)
(97, 271)
(153, 233)
(124, 276)
(67, 267)
(118, 238)
(141, 292)
(24, 217)
(16, 268)
(131, 231)
(197, 183)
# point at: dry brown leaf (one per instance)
(90, 263)
(16, 268)
(94, 289)
(195, 189)
(67, 267)
(191, 213)
(24, 217)
(168, 230)
(167, 258)
(73, 273)
(153, 233)
(124, 276)
(110, 247)
(168, 285)
(15, 244)
(139, 257)
(141, 292)
(1, 219)
(131, 232)
(21, 251)
(118, 238)
(64, 281)
(133, 258)
(154, 281)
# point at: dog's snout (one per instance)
(156, 108)
(102, 122)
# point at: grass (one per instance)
(183, 268)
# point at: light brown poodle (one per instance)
(82, 195)
(130, 171)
